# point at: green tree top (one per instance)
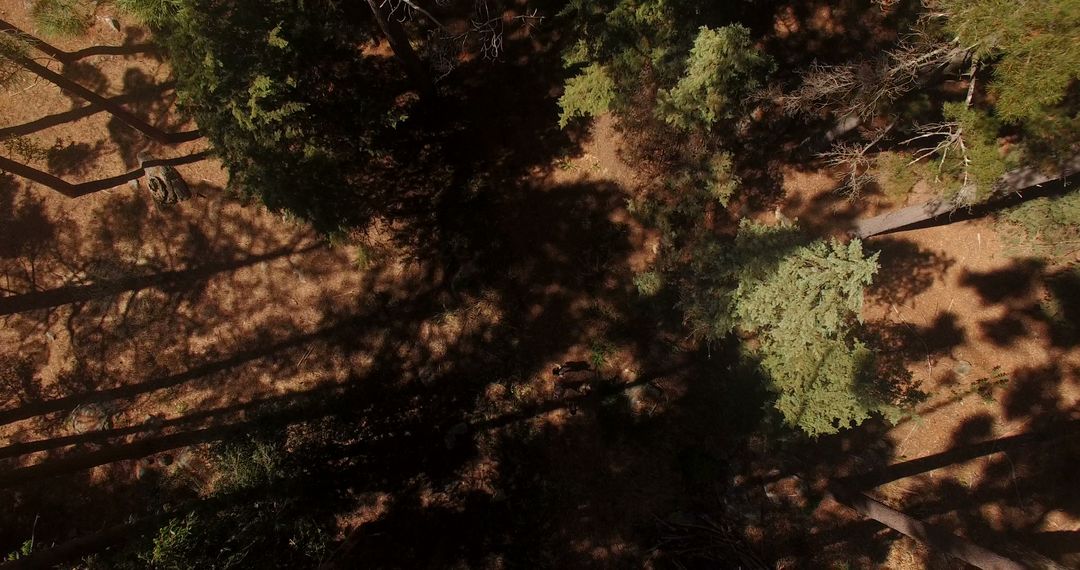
(800, 301)
(722, 68)
(1036, 45)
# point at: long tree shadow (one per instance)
(150, 102)
(423, 346)
(129, 47)
(82, 112)
(167, 281)
(1013, 497)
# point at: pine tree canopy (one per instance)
(801, 300)
(1033, 46)
(723, 67)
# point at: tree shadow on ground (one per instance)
(413, 402)
(77, 113)
(131, 46)
(72, 158)
(1034, 297)
(834, 31)
(149, 102)
(421, 342)
(1006, 493)
(905, 270)
(1009, 493)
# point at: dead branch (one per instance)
(484, 32)
(950, 135)
(854, 160)
(863, 87)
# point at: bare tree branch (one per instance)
(448, 44)
(854, 160)
(862, 88)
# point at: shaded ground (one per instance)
(412, 378)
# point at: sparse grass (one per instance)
(61, 18)
(149, 11)
(986, 385)
(565, 164)
(364, 257)
(246, 464)
(522, 392)
(24, 550)
(600, 352)
(1047, 227)
(12, 45)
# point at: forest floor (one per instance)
(135, 337)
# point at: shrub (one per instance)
(63, 18)
(1047, 227)
(255, 516)
(648, 283)
(588, 94)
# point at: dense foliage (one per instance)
(800, 301)
(276, 88)
(723, 68)
(304, 103)
(1031, 46)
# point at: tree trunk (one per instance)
(938, 539)
(1012, 182)
(75, 190)
(399, 42)
(123, 115)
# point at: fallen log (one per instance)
(939, 540)
(1014, 182)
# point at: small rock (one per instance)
(89, 417)
(962, 367)
(184, 459)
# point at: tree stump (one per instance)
(165, 183)
(89, 417)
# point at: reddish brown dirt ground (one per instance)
(968, 310)
(180, 321)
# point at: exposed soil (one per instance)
(133, 333)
